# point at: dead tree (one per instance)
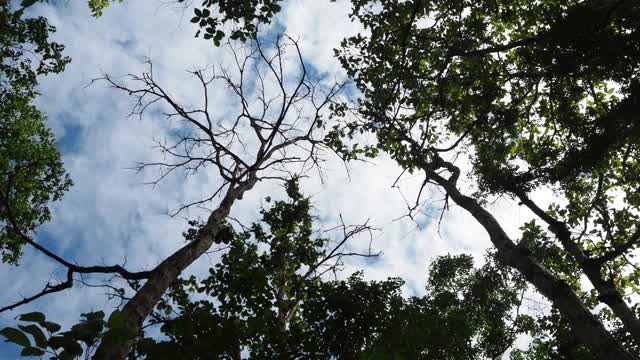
(277, 130)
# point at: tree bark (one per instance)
(141, 305)
(588, 329)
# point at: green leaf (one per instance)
(116, 320)
(88, 331)
(32, 317)
(38, 335)
(58, 341)
(15, 336)
(118, 327)
(32, 351)
(74, 350)
(97, 315)
(51, 326)
(27, 3)
(71, 347)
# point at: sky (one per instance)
(111, 217)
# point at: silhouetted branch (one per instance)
(71, 269)
(348, 232)
(48, 289)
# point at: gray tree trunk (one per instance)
(164, 275)
(588, 329)
(607, 291)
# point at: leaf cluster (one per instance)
(31, 170)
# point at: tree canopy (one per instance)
(31, 170)
(536, 95)
(483, 99)
(273, 303)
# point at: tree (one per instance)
(217, 18)
(467, 314)
(536, 95)
(23, 41)
(31, 170)
(267, 299)
(273, 134)
(255, 295)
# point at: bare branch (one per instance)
(48, 289)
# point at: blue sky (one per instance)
(110, 216)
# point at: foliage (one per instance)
(349, 319)
(31, 170)
(261, 298)
(47, 338)
(536, 95)
(23, 41)
(98, 6)
(244, 16)
(267, 297)
(80, 341)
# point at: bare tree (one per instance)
(275, 128)
(276, 131)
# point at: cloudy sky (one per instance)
(111, 217)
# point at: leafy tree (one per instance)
(255, 294)
(26, 52)
(467, 314)
(263, 143)
(267, 299)
(239, 18)
(31, 170)
(536, 95)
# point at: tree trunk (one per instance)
(588, 329)
(166, 273)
